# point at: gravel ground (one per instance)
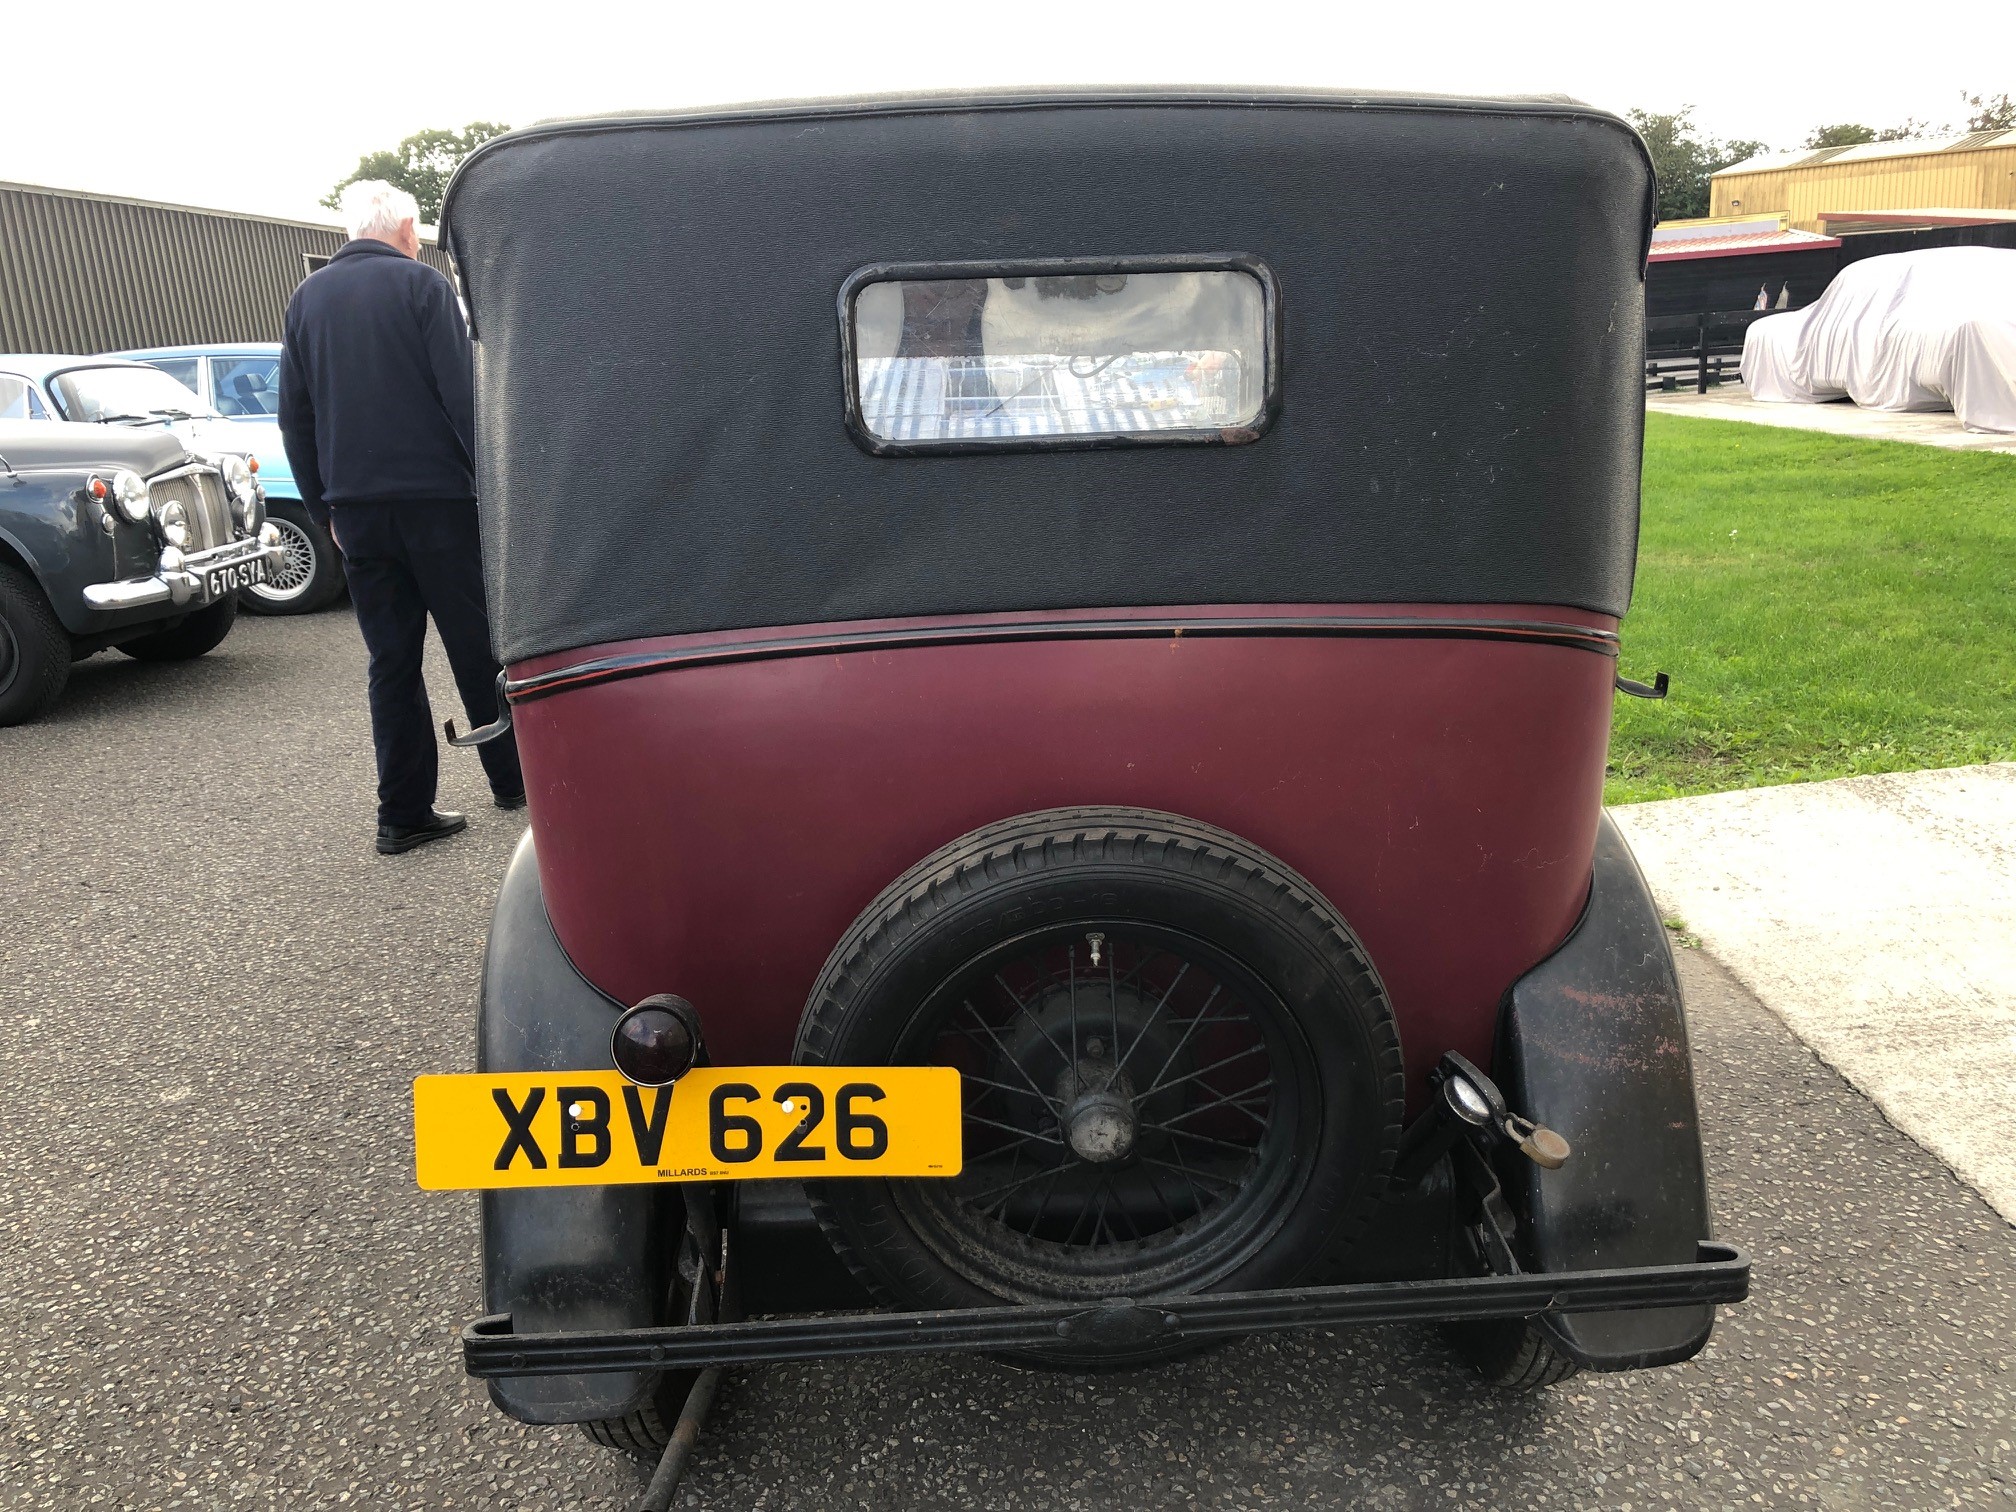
(219, 1286)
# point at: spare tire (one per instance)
(1180, 1071)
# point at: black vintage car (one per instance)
(116, 538)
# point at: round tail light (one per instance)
(658, 1041)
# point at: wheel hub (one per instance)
(291, 576)
(1100, 1126)
(1095, 1104)
(1084, 1057)
(1119, 1119)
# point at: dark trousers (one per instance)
(405, 562)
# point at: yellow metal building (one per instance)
(1975, 170)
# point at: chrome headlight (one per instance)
(129, 492)
(238, 483)
(174, 524)
(236, 478)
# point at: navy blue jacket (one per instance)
(377, 401)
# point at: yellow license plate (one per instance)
(595, 1128)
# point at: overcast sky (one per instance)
(262, 108)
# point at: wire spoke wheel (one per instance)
(1178, 1071)
(1130, 1109)
(290, 578)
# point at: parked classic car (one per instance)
(241, 382)
(110, 391)
(116, 537)
(1071, 780)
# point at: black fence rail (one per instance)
(1705, 350)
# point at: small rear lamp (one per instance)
(657, 1042)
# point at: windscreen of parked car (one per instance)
(1050, 358)
(129, 395)
(181, 369)
(246, 387)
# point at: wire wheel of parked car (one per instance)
(308, 577)
(1178, 1070)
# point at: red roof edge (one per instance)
(1685, 254)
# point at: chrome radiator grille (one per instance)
(200, 492)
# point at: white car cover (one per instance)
(1927, 330)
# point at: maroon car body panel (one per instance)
(712, 829)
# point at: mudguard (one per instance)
(1593, 1044)
(562, 1258)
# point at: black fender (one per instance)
(45, 526)
(569, 1257)
(1593, 1044)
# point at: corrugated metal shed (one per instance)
(93, 273)
(1974, 170)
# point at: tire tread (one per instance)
(41, 642)
(643, 1433)
(1515, 1355)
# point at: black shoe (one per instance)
(394, 838)
(509, 801)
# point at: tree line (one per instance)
(421, 165)
(1685, 158)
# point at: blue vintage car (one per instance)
(241, 382)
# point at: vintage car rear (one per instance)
(1117, 595)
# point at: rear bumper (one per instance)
(491, 1350)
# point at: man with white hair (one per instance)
(377, 412)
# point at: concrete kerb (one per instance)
(1934, 428)
(1877, 917)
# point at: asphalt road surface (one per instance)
(220, 1287)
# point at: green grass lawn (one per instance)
(1826, 607)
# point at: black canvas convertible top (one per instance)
(662, 438)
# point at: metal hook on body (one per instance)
(501, 725)
(1654, 689)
